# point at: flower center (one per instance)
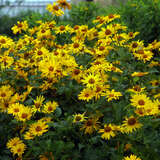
(107, 129)
(76, 45)
(86, 95)
(131, 121)
(40, 53)
(20, 25)
(76, 27)
(37, 105)
(107, 32)
(78, 118)
(43, 31)
(91, 81)
(137, 88)
(76, 71)
(51, 68)
(111, 16)
(56, 8)
(89, 123)
(16, 110)
(50, 108)
(141, 102)
(98, 89)
(24, 115)
(38, 128)
(130, 34)
(3, 94)
(3, 41)
(134, 45)
(101, 48)
(62, 28)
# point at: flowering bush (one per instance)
(78, 92)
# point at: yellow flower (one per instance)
(61, 29)
(16, 146)
(40, 53)
(110, 95)
(13, 142)
(86, 94)
(76, 47)
(50, 107)
(38, 128)
(108, 131)
(132, 157)
(25, 114)
(130, 124)
(15, 109)
(111, 17)
(6, 42)
(21, 26)
(136, 89)
(90, 125)
(136, 45)
(43, 33)
(64, 4)
(18, 149)
(5, 92)
(6, 62)
(79, 118)
(28, 136)
(107, 32)
(140, 100)
(54, 9)
(38, 103)
(144, 55)
(91, 80)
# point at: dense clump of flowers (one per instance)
(114, 87)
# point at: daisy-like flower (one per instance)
(6, 92)
(111, 17)
(130, 124)
(18, 149)
(107, 32)
(38, 103)
(79, 118)
(131, 157)
(38, 128)
(13, 142)
(16, 146)
(28, 136)
(21, 26)
(90, 125)
(40, 53)
(136, 89)
(110, 95)
(108, 131)
(50, 107)
(25, 114)
(64, 4)
(136, 45)
(91, 80)
(55, 9)
(61, 29)
(76, 47)
(6, 62)
(132, 35)
(86, 94)
(6, 42)
(15, 109)
(140, 100)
